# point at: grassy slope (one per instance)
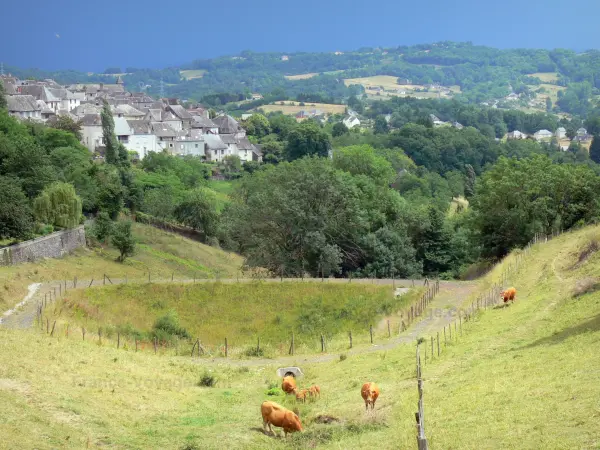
(243, 312)
(522, 377)
(158, 251)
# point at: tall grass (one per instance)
(244, 313)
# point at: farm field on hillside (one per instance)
(290, 107)
(546, 77)
(158, 251)
(390, 87)
(525, 376)
(302, 76)
(242, 312)
(191, 74)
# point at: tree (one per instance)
(595, 149)
(231, 166)
(199, 210)
(16, 218)
(306, 139)
(362, 160)
(111, 145)
(103, 226)
(66, 123)
(257, 125)
(58, 205)
(433, 249)
(548, 104)
(123, 239)
(3, 103)
(470, 181)
(381, 126)
(338, 129)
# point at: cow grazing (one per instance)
(277, 415)
(314, 391)
(288, 385)
(369, 392)
(509, 294)
(301, 395)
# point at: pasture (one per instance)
(302, 76)
(391, 88)
(546, 77)
(525, 376)
(242, 312)
(191, 74)
(291, 107)
(158, 252)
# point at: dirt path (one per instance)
(441, 311)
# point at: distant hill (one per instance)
(525, 77)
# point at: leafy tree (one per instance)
(3, 103)
(113, 70)
(16, 218)
(111, 145)
(231, 166)
(595, 149)
(58, 205)
(257, 125)
(161, 202)
(339, 129)
(103, 226)
(433, 249)
(199, 210)
(381, 125)
(548, 104)
(272, 149)
(308, 139)
(111, 194)
(66, 123)
(470, 181)
(362, 160)
(123, 240)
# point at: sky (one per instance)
(67, 34)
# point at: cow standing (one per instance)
(277, 415)
(369, 392)
(288, 385)
(508, 294)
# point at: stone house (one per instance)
(24, 107)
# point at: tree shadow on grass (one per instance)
(590, 325)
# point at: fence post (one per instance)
(371, 332)
(47, 325)
(60, 289)
(135, 343)
(53, 325)
(82, 334)
(291, 352)
(438, 343)
(90, 285)
(460, 322)
(431, 347)
(445, 341)
(172, 276)
(155, 344)
(389, 331)
(148, 276)
(67, 332)
(450, 330)
(322, 344)
(419, 415)
(99, 336)
(118, 340)
(104, 279)
(75, 283)
(350, 337)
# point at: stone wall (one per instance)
(54, 245)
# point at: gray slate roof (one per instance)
(245, 144)
(180, 112)
(202, 122)
(140, 126)
(22, 103)
(163, 130)
(228, 138)
(227, 124)
(90, 120)
(214, 142)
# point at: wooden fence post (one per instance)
(438, 343)
(155, 341)
(371, 332)
(258, 346)
(445, 341)
(75, 283)
(460, 322)
(450, 330)
(291, 352)
(67, 332)
(136, 348)
(419, 415)
(389, 331)
(431, 347)
(82, 334)
(90, 285)
(322, 344)
(47, 325)
(350, 337)
(118, 340)
(53, 325)
(99, 336)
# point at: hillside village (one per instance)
(142, 123)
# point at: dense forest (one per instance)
(404, 200)
(482, 73)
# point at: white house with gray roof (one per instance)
(23, 107)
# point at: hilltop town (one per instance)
(142, 123)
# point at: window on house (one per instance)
(170, 145)
(196, 145)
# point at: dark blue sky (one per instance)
(79, 34)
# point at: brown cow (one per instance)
(288, 385)
(509, 294)
(369, 392)
(301, 395)
(314, 391)
(277, 415)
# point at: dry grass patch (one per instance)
(291, 108)
(302, 76)
(191, 74)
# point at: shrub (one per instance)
(168, 326)
(254, 351)
(207, 380)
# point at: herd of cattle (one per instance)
(279, 416)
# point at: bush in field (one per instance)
(167, 326)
